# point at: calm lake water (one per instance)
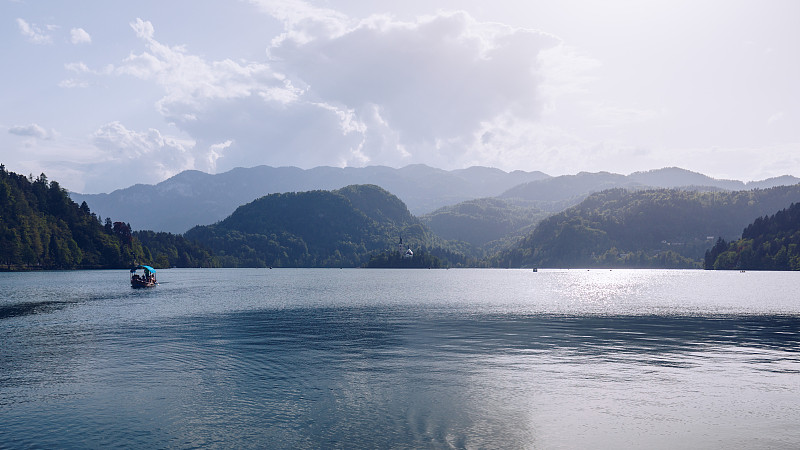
(306, 358)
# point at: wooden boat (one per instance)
(146, 279)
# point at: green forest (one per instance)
(341, 228)
(484, 225)
(361, 225)
(663, 228)
(42, 228)
(769, 243)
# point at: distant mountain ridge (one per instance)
(197, 198)
(665, 228)
(555, 194)
(499, 221)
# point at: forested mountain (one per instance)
(41, 227)
(360, 225)
(163, 249)
(646, 228)
(341, 228)
(489, 225)
(558, 193)
(769, 243)
(196, 198)
(486, 224)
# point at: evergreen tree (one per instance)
(41, 227)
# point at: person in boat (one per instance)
(148, 278)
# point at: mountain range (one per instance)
(193, 198)
(341, 228)
(644, 228)
(557, 193)
(367, 226)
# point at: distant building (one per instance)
(405, 251)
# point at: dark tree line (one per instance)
(42, 228)
(769, 243)
(648, 228)
(398, 260)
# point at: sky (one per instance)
(102, 95)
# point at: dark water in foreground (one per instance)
(401, 359)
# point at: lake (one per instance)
(358, 358)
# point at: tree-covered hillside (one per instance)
(769, 243)
(341, 228)
(173, 250)
(42, 228)
(193, 198)
(652, 228)
(486, 224)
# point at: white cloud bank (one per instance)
(132, 155)
(343, 92)
(310, 86)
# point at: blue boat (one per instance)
(146, 279)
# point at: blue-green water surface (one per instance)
(329, 358)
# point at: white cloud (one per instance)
(32, 130)
(82, 68)
(35, 33)
(215, 152)
(428, 85)
(216, 101)
(72, 83)
(115, 138)
(303, 22)
(566, 72)
(510, 143)
(132, 155)
(82, 71)
(190, 81)
(345, 92)
(144, 29)
(79, 36)
(77, 67)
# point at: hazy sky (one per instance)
(101, 95)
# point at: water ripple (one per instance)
(343, 359)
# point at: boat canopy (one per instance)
(147, 269)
